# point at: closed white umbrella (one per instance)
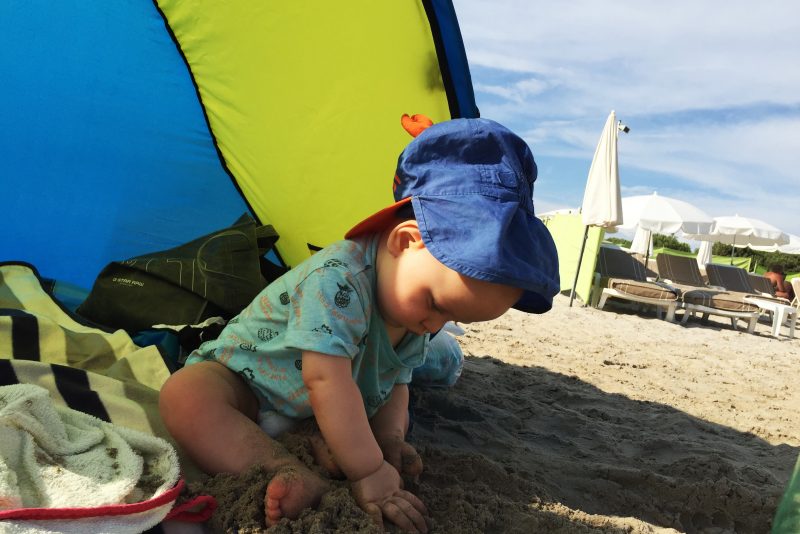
(704, 253)
(602, 205)
(663, 215)
(641, 243)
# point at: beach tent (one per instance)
(134, 126)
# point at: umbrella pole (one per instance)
(647, 252)
(578, 270)
(733, 248)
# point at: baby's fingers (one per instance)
(404, 514)
(374, 511)
(413, 500)
(412, 461)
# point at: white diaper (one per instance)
(274, 423)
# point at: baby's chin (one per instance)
(395, 325)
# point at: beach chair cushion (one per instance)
(621, 272)
(684, 274)
(640, 289)
(718, 300)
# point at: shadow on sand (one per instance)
(523, 449)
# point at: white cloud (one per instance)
(653, 56)
(517, 92)
(711, 91)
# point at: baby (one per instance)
(337, 337)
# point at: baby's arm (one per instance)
(342, 420)
(390, 425)
(339, 411)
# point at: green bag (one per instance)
(215, 275)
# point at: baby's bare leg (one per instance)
(211, 412)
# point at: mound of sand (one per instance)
(582, 420)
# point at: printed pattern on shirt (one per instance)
(324, 305)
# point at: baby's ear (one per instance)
(405, 235)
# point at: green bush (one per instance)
(619, 241)
(790, 262)
(659, 241)
(669, 241)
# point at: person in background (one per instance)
(778, 278)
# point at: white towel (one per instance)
(56, 457)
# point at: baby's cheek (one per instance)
(416, 309)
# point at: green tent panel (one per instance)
(567, 231)
(305, 104)
(787, 517)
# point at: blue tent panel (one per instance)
(87, 180)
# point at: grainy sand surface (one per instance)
(585, 420)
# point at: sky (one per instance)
(710, 90)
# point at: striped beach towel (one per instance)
(82, 367)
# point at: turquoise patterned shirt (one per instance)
(326, 304)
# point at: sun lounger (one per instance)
(761, 284)
(623, 277)
(698, 297)
(650, 269)
(734, 278)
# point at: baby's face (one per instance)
(420, 294)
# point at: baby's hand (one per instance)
(401, 455)
(380, 494)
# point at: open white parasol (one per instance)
(742, 231)
(663, 215)
(792, 247)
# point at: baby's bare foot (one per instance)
(291, 490)
(323, 456)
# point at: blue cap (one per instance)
(470, 182)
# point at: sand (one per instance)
(585, 420)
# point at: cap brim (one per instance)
(377, 222)
(531, 302)
(491, 239)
